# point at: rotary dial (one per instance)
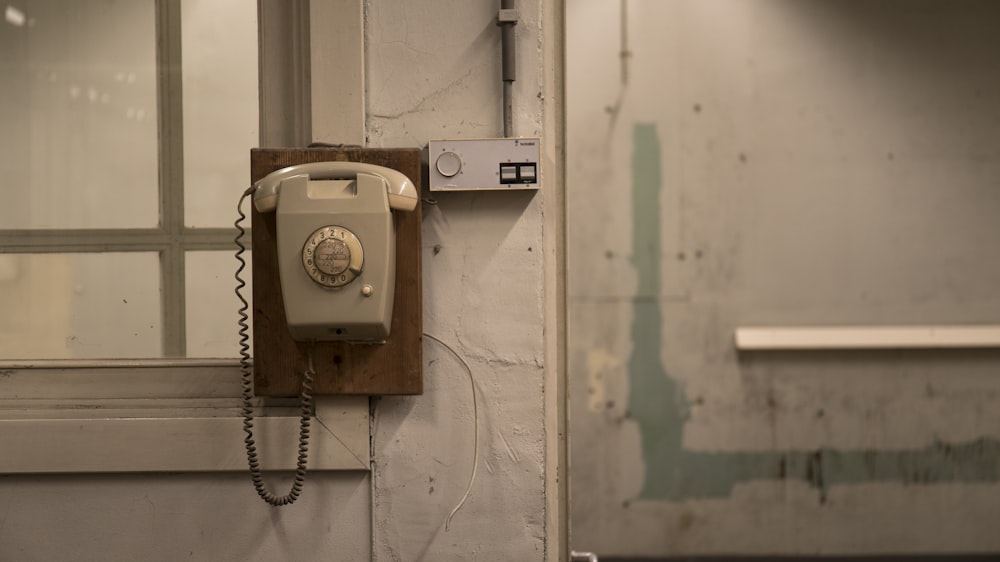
(333, 256)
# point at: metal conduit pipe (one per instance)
(507, 19)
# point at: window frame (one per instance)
(172, 414)
(171, 239)
(160, 415)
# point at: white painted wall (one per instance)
(433, 72)
(821, 162)
(165, 518)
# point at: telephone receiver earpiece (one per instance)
(400, 190)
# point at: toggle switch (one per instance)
(508, 173)
(526, 173)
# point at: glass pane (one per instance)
(219, 41)
(79, 306)
(78, 145)
(212, 304)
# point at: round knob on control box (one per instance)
(449, 164)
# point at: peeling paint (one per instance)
(657, 402)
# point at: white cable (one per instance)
(475, 417)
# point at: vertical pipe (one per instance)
(508, 68)
(507, 44)
(508, 108)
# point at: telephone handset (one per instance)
(336, 246)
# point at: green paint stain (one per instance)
(657, 403)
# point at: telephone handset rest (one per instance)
(400, 190)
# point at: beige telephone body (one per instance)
(336, 246)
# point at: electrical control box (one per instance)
(477, 164)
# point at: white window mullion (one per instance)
(170, 110)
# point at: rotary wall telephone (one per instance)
(336, 249)
(336, 263)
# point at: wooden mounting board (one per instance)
(395, 367)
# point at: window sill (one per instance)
(160, 416)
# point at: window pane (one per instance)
(78, 145)
(79, 306)
(219, 41)
(212, 304)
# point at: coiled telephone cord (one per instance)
(246, 382)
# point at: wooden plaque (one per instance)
(394, 367)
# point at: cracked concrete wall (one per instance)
(782, 163)
(433, 71)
